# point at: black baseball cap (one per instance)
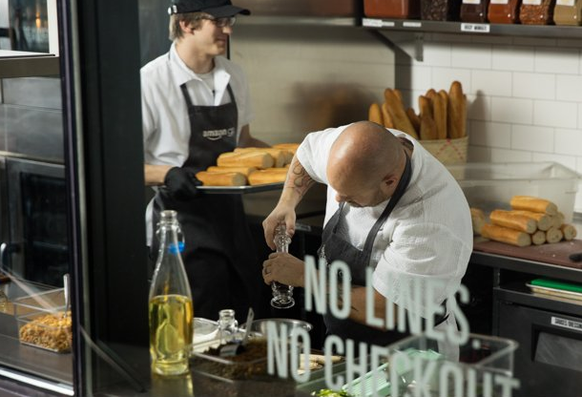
(216, 8)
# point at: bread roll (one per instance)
(514, 221)
(267, 176)
(439, 110)
(291, 147)
(388, 122)
(557, 220)
(569, 231)
(221, 178)
(505, 235)
(280, 156)
(414, 119)
(251, 159)
(554, 235)
(396, 110)
(243, 170)
(533, 204)
(478, 220)
(375, 114)
(538, 238)
(544, 221)
(457, 115)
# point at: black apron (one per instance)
(336, 248)
(219, 254)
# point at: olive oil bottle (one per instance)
(171, 309)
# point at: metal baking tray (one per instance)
(241, 189)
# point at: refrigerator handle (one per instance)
(5, 250)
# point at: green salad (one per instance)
(331, 393)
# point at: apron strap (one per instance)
(189, 101)
(398, 193)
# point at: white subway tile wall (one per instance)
(525, 95)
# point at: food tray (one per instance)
(39, 316)
(241, 189)
(554, 292)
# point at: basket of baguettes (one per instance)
(250, 166)
(440, 125)
(531, 220)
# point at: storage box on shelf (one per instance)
(490, 186)
(42, 321)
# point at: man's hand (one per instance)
(281, 214)
(284, 268)
(182, 183)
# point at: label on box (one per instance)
(562, 322)
(471, 1)
(569, 3)
(532, 2)
(408, 24)
(475, 27)
(371, 22)
(499, 1)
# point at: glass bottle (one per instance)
(474, 11)
(227, 325)
(568, 12)
(537, 12)
(282, 294)
(503, 11)
(170, 303)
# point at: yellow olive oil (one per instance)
(170, 319)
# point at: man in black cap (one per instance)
(195, 106)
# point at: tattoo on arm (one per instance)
(299, 180)
(340, 294)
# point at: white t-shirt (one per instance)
(428, 236)
(166, 126)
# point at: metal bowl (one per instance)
(260, 326)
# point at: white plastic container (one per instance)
(490, 186)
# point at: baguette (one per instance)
(280, 156)
(477, 220)
(267, 176)
(457, 115)
(388, 121)
(290, 147)
(430, 93)
(414, 119)
(243, 170)
(428, 129)
(375, 114)
(557, 220)
(513, 221)
(554, 235)
(505, 235)
(439, 109)
(221, 178)
(396, 110)
(544, 221)
(538, 238)
(251, 159)
(569, 231)
(533, 204)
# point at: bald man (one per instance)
(390, 206)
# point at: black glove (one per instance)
(181, 183)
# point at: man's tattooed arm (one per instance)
(298, 179)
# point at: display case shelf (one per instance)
(422, 26)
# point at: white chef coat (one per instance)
(428, 236)
(166, 126)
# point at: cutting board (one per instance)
(556, 254)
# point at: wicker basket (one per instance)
(448, 151)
